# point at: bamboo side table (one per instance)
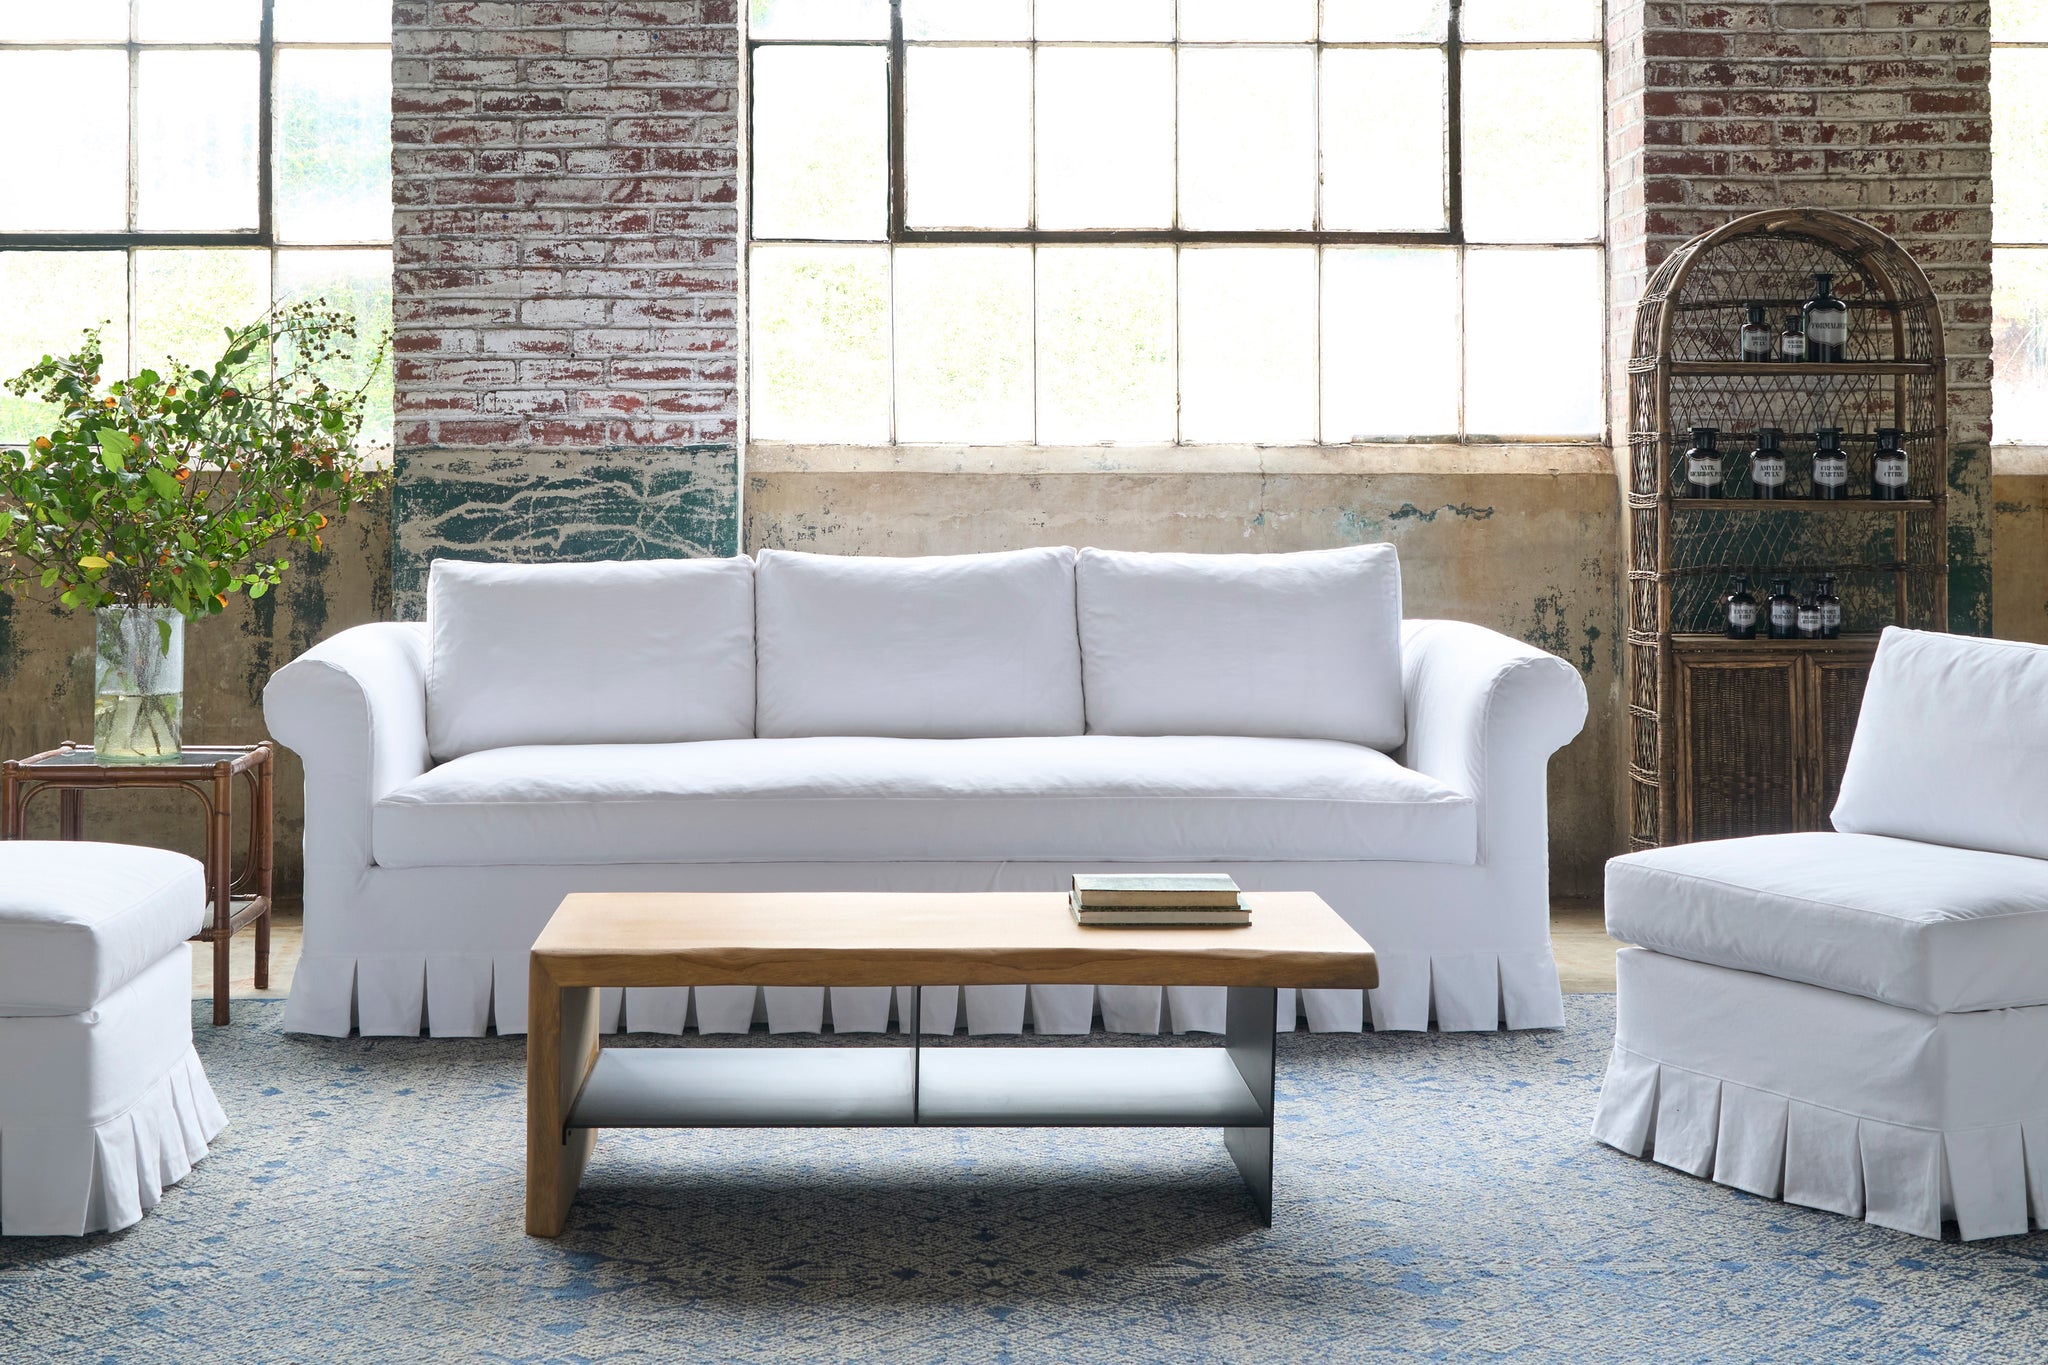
(237, 897)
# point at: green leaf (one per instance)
(166, 487)
(92, 562)
(258, 588)
(6, 522)
(115, 448)
(163, 630)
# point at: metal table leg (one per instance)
(1248, 1036)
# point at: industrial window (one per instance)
(1082, 221)
(2019, 221)
(173, 167)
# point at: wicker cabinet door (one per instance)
(1740, 747)
(1837, 687)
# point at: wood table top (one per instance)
(934, 939)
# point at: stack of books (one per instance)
(1159, 899)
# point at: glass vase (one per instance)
(138, 684)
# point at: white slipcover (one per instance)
(80, 920)
(1951, 745)
(648, 652)
(102, 1100)
(1829, 1099)
(943, 647)
(393, 949)
(1304, 646)
(1204, 798)
(1920, 926)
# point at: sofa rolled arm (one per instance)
(354, 708)
(1485, 712)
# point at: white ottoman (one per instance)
(102, 1100)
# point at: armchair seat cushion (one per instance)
(1921, 926)
(1080, 797)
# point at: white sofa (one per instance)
(979, 722)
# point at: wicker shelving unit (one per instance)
(1734, 737)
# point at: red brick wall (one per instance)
(566, 181)
(1881, 111)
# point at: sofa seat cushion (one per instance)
(1078, 797)
(1921, 926)
(78, 921)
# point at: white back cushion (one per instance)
(945, 647)
(1951, 745)
(612, 653)
(1292, 646)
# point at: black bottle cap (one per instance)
(1767, 438)
(1887, 436)
(1742, 582)
(1781, 587)
(1823, 281)
(1704, 436)
(1793, 323)
(1828, 437)
(1756, 313)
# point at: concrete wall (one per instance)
(1523, 540)
(46, 660)
(2019, 546)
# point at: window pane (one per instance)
(967, 137)
(2019, 145)
(966, 19)
(1530, 21)
(1390, 342)
(1385, 21)
(1247, 138)
(1105, 137)
(34, 21)
(2019, 345)
(198, 21)
(358, 282)
(1224, 21)
(52, 297)
(1248, 344)
(820, 340)
(818, 18)
(1105, 344)
(186, 300)
(1532, 146)
(2019, 21)
(333, 145)
(77, 182)
(963, 343)
(195, 151)
(1106, 19)
(1384, 126)
(1532, 342)
(333, 21)
(821, 142)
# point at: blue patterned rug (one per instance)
(1438, 1200)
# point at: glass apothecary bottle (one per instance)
(1889, 471)
(1830, 608)
(1739, 610)
(1825, 321)
(1703, 473)
(1755, 340)
(1782, 615)
(1830, 465)
(1792, 341)
(1767, 466)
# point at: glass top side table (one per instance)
(236, 896)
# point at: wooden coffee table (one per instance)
(883, 939)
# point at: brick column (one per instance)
(566, 247)
(1880, 111)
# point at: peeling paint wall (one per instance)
(46, 682)
(2019, 548)
(1532, 552)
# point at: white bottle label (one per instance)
(1831, 470)
(1704, 470)
(1792, 346)
(1809, 621)
(1890, 470)
(1742, 615)
(1768, 470)
(1831, 615)
(1784, 615)
(1756, 345)
(1827, 327)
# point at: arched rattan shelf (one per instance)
(1729, 737)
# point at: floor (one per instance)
(1585, 955)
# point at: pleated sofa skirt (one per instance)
(1829, 1100)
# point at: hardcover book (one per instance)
(1173, 889)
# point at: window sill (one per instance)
(2019, 461)
(1447, 458)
